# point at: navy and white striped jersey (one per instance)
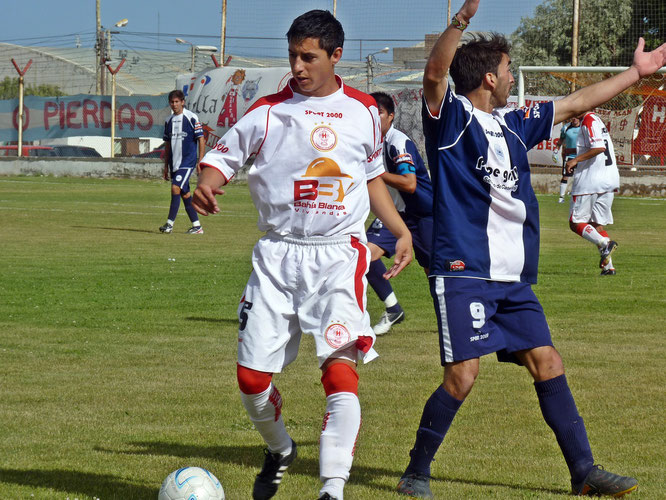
(486, 215)
(182, 132)
(402, 157)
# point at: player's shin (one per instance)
(264, 407)
(340, 427)
(560, 413)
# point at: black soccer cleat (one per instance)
(415, 485)
(608, 272)
(166, 228)
(600, 482)
(275, 465)
(606, 252)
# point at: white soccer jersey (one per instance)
(314, 156)
(598, 174)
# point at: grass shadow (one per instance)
(228, 321)
(118, 229)
(84, 483)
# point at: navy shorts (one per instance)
(421, 229)
(181, 178)
(477, 317)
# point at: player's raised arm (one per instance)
(437, 67)
(644, 64)
(382, 206)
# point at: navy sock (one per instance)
(381, 286)
(192, 214)
(173, 208)
(437, 416)
(560, 413)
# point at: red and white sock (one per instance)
(265, 411)
(588, 232)
(340, 427)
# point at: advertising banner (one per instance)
(651, 139)
(221, 96)
(83, 115)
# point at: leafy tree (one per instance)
(9, 89)
(608, 32)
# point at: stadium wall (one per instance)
(544, 179)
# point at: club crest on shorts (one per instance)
(337, 335)
(323, 138)
(179, 178)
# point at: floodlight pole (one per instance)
(113, 104)
(21, 72)
(223, 33)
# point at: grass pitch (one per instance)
(117, 357)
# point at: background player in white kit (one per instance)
(314, 179)
(184, 148)
(596, 179)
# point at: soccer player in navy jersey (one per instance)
(409, 184)
(486, 240)
(184, 149)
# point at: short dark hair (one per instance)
(384, 101)
(481, 55)
(320, 24)
(178, 94)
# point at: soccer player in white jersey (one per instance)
(184, 148)
(316, 174)
(596, 179)
(486, 241)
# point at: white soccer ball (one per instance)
(191, 483)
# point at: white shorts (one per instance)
(592, 208)
(305, 285)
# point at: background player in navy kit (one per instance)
(486, 241)
(183, 136)
(567, 149)
(410, 188)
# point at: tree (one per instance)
(608, 32)
(9, 89)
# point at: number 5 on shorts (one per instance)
(242, 316)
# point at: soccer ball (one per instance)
(191, 483)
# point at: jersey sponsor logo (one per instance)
(337, 335)
(455, 265)
(374, 155)
(498, 178)
(324, 191)
(221, 148)
(323, 138)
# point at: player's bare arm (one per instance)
(434, 76)
(203, 199)
(382, 206)
(167, 156)
(590, 153)
(644, 64)
(202, 152)
(401, 182)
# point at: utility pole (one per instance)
(223, 34)
(574, 41)
(99, 65)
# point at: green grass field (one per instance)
(117, 357)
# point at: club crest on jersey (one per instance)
(323, 138)
(337, 335)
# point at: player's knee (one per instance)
(459, 379)
(339, 377)
(252, 381)
(577, 227)
(185, 196)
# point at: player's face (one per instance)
(177, 105)
(504, 82)
(312, 68)
(385, 119)
(575, 122)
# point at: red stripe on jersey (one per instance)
(226, 181)
(367, 100)
(271, 100)
(361, 268)
(587, 122)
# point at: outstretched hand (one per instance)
(648, 63)
(403, 256)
